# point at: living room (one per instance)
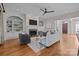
(38, 29)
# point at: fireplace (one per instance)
(32, 32)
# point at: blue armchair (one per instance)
(24, 38)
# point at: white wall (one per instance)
(49, 25)
(59, 27)
(77, 24)
(71, 26)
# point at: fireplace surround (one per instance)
(32, 32)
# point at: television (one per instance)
(32, 22)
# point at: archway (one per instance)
(14, 24)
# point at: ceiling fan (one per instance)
(45, 11)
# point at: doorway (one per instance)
(65, 28)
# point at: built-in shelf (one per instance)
(14, 24)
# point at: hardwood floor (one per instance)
(67, 46)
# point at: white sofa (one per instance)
(49, 40)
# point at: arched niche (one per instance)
(14, 24)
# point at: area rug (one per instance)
(36, 46)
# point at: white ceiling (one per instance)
(34, 8)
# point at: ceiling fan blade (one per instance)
(42, 10)
(50, 11)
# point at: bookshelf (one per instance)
(14, 24)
